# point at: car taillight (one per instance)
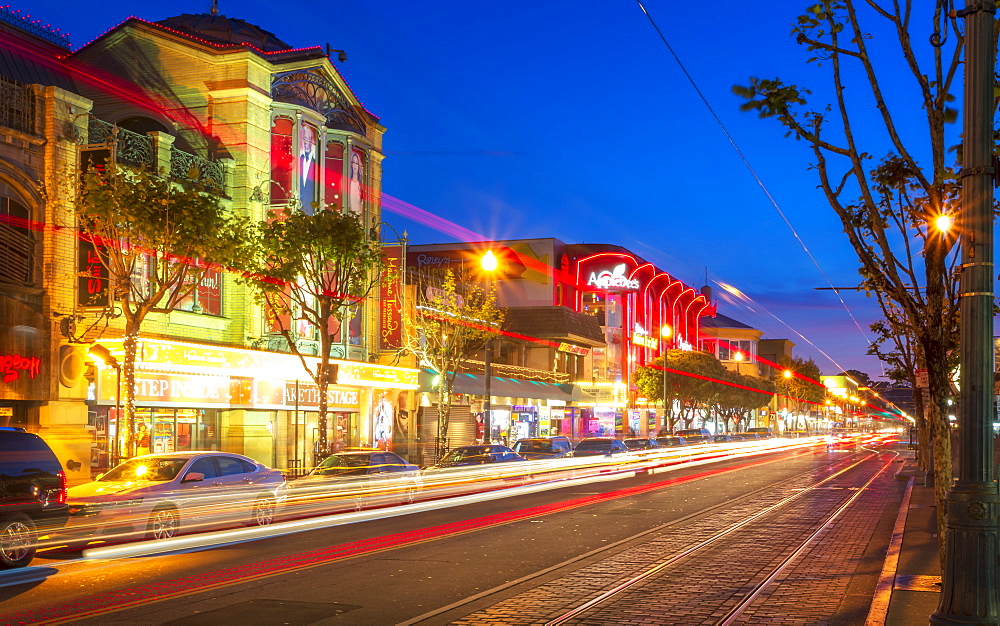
(61, 496)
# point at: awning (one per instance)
(475, 385)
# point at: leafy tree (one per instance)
(690, 379)
(315, 272)
(156, 239)
(863, 379)
(740, 397)
(452, 322)
(887, 209)
(802, 388)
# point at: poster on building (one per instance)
(391, 316)
(92, 281)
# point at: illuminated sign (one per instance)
(391, 318)
(645, 341)
(612, 279)
(568, 347)
(219, 360)
(13, 364)
(641, 338)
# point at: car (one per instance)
(599, 446)
(670, 442)
(695, 435)
(155, 496)
(723, 439)
(477, 455)
(737, 437)
(355, 479)
(639, 443)
(762, 432)
(537, 448)
(32, 495)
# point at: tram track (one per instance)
(663, 557)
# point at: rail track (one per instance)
(719, 566)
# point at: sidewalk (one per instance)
(909, 588)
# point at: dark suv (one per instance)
(544, 448)
(32, 494)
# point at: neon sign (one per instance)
(13, 364)
(612, 279)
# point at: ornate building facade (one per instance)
(270, 127)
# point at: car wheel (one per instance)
(17, 541)
(163, 523)
(411, 494)
(263, 511)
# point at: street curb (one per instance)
(887, 579)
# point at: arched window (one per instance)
(281, 160)
(333, 176)
(308, 166)
(17, 241)
(358, 191)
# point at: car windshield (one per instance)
(343, 465)
(532, 445)
(593, 445)
(156, 470)
(462, 453)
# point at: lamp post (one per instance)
(489, 264)
(969, 574)
(665, 333)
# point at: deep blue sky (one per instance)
(572, 120)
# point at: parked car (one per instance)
(32, 495)
(156, 495)
(695, 435)
(723, 439)
(477, 455)
(354, 480)
(537, 448)
(762, 432)
(599, 446)
(670, 442)
(639, 443)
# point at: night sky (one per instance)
(572, 120)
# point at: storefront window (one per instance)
(206, 298)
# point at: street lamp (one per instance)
(489, 264)
(665, 333)
(969, 573)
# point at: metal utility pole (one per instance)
(969, 581)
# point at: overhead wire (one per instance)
(756, 177)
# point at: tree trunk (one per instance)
(128, 370)
(323, 382)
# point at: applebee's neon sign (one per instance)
(612, 279)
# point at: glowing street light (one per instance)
(489, 263)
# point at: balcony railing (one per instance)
(192, 167)
(140, 151)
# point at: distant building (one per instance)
(592, 312)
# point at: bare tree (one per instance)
(888, 209)
(452, 322)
